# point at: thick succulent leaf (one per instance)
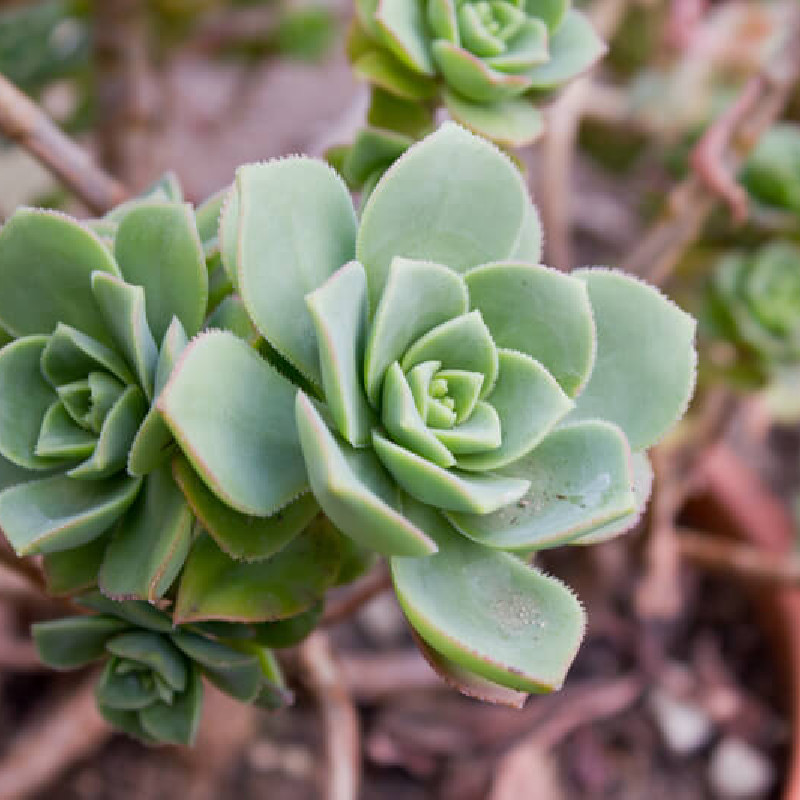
(489, 612)
(574, 47)
(373, 150)
(354, 490)
(473, 78)
(529, 246)
(482, 431)
(288, 632)
(273, 694)
(382, 68)
(417, 297)
(404, 31)
(176, 723)
(207, 215)
(229, 235)
(645, 367)
(452, 199)
(154, 651)
(461, 343)
(526, 48)
(118, 432)
(464, 388)
(74, 641)
(541, 312)
(235, 672)
(11, 474)
(139, 614)
(215, 587)
(158, 248)
(529, 403)
(71, 355)
(514, 122)
(126, 690)
(74, 570)
(468, 683)
(254, 465)
(46, 263)
(123, 307)
(24, 399)
(443, 488)
(642, 485)
(239, 535)
(151, 542)
(404, 424)
(58, 513)
(153, 442)
(231, 315)
(126, 721)
(60, 437)
(339, 310)
(297, 226)
(580, 478)
(551, 12)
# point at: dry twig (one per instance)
(45, 747)
(339, 718)
(351, 599)
(22, 121)
(718, 156)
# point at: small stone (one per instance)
(738, 771)
(684, 726)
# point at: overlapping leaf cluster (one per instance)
(487, 61)
(94, 318)
(447, 400)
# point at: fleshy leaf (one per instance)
(514, 122)
(482, 431)
(231, 315)
(645, 367)
(462, 343)
(541, 312)
(154, 651)
(290, 582)
(580, 478)
(58, 513)
(208, 213)
(153, 442)
(46, 263)
(118, 431)
(529, 246)
(142, 615)
(458, 217)
(529, 403)
(382, 68)
(123, 307)
(489, 612)
(151, 542)
(176, 723)
(288, 632)
(448, 489)
(25, 398)
(74, 570)
(297, 226)
(642, 484)
(60, 437)
(339, 309)
(417, 297)
(239, 535)
(158, 248)
(233, 416)
(229, 235)
(71, 355)
(574, 47)
(74, 641)
(354, 490)
(404, 31)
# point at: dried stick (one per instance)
(24, 567)
(22, 121)
(738, 560)
(351, 599)
(339, 718)
(44, 748)
(558, 146)
(718, 155)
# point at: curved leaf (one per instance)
(74, 641)
(514, 122)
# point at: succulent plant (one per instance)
(754, 304)
(449, 402)
(98, 319)
(151, 683)
(487, 61)
(772, 172)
